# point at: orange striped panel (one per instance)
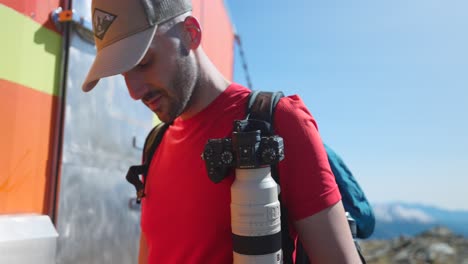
(39, 11)
(26, 142)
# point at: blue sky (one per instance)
(387, 82)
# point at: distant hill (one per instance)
(405, 219)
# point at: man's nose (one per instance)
(136, 86)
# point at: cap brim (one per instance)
(119, 57)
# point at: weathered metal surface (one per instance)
(94, 222)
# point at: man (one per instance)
(185, 217)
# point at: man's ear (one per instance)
(192, 27)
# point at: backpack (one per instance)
(352, 196)
(261, 106)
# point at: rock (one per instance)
(438, 245)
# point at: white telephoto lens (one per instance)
(255, 217)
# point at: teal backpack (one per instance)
(261, 106)
(352, 196)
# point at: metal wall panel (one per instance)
(94, 221)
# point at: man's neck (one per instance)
(210, 84)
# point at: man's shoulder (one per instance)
(292, 104)
(233, 97)
(292, 114)
(236, 90)
(236, 96)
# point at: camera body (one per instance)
(245, 150)
(219, 158)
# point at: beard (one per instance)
(181, 89)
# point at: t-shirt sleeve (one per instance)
(307, 182)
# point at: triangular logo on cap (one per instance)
(101, 22)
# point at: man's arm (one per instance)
(143, 256)
(327, 238)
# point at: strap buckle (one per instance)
(133, 177)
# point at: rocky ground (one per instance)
(435, 246)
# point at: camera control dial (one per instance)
(227, 157)
(269, 155)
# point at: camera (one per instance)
(245, 150)
(255, 208)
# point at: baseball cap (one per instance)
(123, 30)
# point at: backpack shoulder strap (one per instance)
(152, 142)
(261, 106)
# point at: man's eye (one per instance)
(143, 62)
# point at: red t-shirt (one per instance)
(186, 217)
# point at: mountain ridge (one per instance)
(396, 219)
